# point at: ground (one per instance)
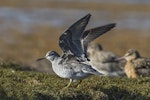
(17, 83)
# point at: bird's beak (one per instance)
(39, 59)
(120, 59)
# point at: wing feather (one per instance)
(70, 40)
(94, 33)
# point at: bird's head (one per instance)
(131, 54)
(50, 55)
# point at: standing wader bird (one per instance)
(74, 63)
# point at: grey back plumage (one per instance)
(142, 65)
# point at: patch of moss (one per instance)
(14, 66)
(30, 85)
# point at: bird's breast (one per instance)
(61, 71)
(130, 70)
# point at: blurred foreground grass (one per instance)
(16, 84)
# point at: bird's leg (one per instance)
(71, 80)
(80, 81)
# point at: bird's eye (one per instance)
(52, 54)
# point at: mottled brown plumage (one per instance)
(136, 65)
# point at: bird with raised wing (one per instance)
(73, 64)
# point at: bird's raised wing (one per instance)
(70, 40)
(94, 33)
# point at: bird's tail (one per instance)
(94, 71)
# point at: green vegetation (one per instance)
(17, 84)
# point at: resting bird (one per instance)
(105, 61)
(73, 64)
(136, 65)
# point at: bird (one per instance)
(136, 65)
(74, 64)
(105, 61)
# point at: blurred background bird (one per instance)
(136, 65)
(104, 61)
